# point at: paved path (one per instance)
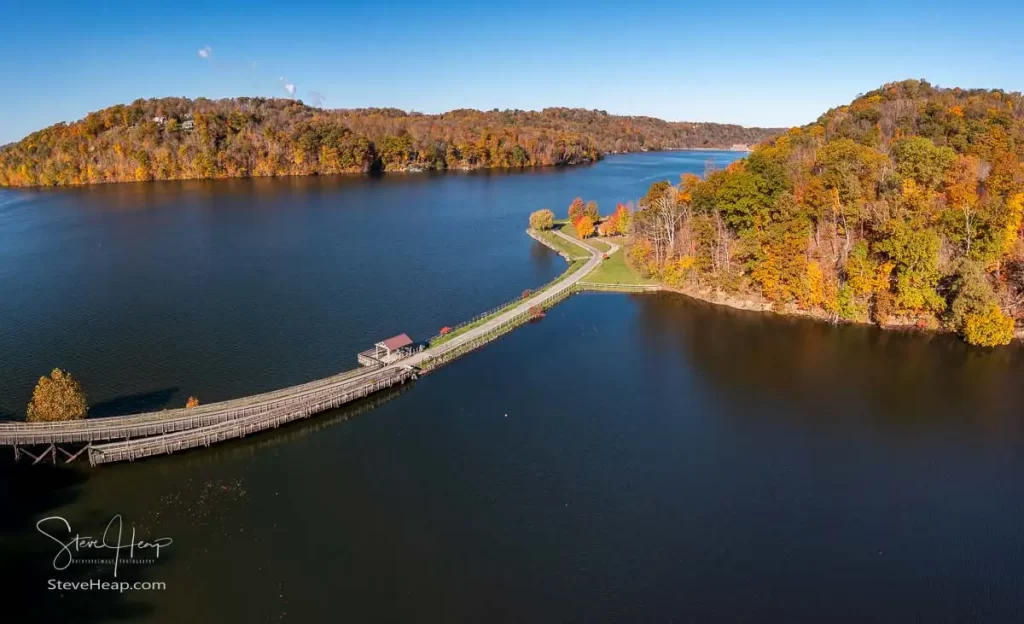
(538, 299)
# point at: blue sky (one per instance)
(753, 63)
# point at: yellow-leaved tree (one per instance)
(57, 397)
(988, 328)
(542, 219)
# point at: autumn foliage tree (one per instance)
(542, 219)
(57, 397)
(990, 327)
(576, 209)
(584, 227)
(616, 224)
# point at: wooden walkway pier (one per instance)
(392, 362)
(301, 407)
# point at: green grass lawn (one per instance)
(614, 270)
(563, 245)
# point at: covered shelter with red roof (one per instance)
(388, 351)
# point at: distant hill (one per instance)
(904, 207)
(178, 138)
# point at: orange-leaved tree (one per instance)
(576, 209)
(57, 397)
(584, 227)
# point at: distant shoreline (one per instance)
(411, 169)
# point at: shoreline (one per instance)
(749, 304)
(410, 169)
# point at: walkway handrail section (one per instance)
(513, 302)
(619, 286)
(507, 305)
(312, 403)
(564, 283)
(548, 295)
(478, 317)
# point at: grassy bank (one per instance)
(562, 245)
(614, 270)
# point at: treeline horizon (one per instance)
(180, 138)
(904, 207)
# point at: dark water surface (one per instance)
(629, 458)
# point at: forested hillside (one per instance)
(177, 138)
(903, 207)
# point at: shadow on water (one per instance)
(288, 433)
(150, 401)
(894, 379)
(27, 495)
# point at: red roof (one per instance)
(397, 342)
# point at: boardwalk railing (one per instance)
(505, 306)
(619, 287)
(311, 403)
(447, 353)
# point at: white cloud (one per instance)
(205, 52)
(316, 99)
(288, 86)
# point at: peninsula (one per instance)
(902, 208)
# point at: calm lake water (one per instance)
(629, 458)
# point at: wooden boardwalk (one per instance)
(299, 407)
(126, 438)
(119, 438)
